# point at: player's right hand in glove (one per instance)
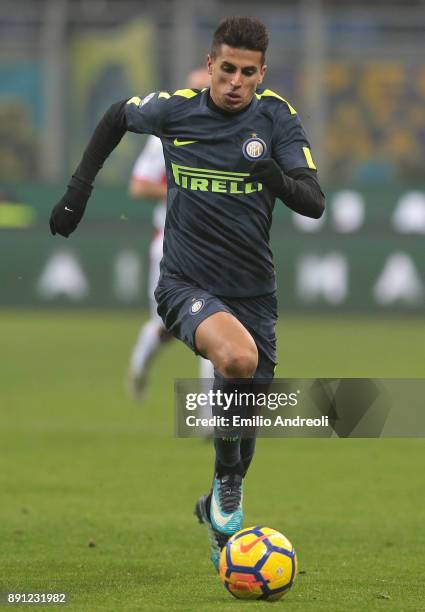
(68, 212)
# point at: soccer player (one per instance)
(230, 151)
(148, 180)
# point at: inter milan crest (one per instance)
(196, 306)
(254, 148)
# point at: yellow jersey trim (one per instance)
(185, 93)
(309, 158)
(135, 100)
(268, 93)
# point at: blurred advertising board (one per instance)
(366, 253)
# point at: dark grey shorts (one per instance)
(182, 306)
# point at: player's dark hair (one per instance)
(241, 33)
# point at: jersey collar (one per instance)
(212, 107)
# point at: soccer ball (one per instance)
(258, 563)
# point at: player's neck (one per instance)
(214, 107)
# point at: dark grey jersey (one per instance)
(218, 223)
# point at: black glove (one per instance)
(68, 212)
(267, 172)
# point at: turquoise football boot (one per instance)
(226, 504)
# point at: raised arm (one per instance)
(136, 115)
(68, 212)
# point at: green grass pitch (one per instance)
(97, 495)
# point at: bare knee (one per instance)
(238, 362)
(223, 340)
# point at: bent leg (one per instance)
(223, 340)
(232, 350)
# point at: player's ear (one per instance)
(209, 64)
(262, 73)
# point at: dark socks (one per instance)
(247, 450)
(227, 440)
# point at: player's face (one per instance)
(235, 75)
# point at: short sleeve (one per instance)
(147, 115)
(150, 164)
(290, 147)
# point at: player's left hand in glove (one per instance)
(269, 173)
(68, 212)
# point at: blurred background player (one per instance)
(148, 181)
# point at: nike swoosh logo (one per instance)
(68, 209)
(182, 143)
(247, 547)
(218, 517)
